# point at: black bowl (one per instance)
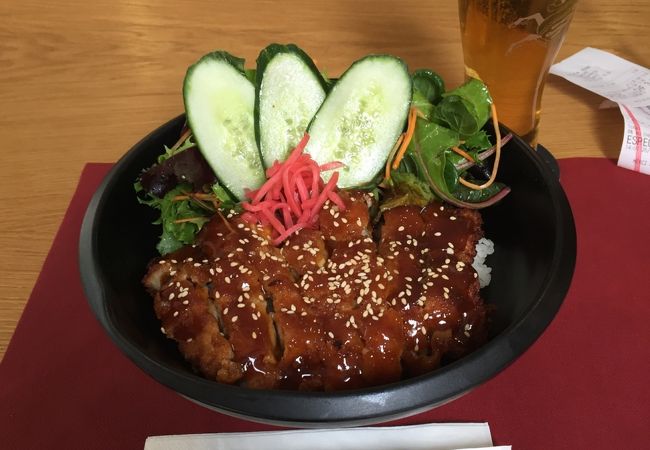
(533, 262)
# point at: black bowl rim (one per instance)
(354, 407)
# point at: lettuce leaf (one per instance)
(407, 189)
(465, 109)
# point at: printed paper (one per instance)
(624, 83)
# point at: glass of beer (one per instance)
(510, 45)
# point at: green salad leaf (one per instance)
(427, 149)
(478, 195)
(251, 74)
(171, 151)
(181, 220)
(465, 109)
(407, 189)
(225, 199)
(477, 142)
(428, 88)
(421, 103)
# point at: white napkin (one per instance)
(448, 436)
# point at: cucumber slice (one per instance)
(361, 118)
(289, 91)
(219, 102)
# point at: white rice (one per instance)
(484, 247)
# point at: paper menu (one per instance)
(624, 83)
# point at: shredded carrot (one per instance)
(420, 114)
(223, 219)
(194, 195)
(410, 128)
(182, 139)
(463, 153)
(391, 155)
(497, 157)
(189, 219)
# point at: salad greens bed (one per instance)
(400, 134)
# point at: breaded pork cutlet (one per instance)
(334, 307)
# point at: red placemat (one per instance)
(583, 384)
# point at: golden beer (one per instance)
(510, 45)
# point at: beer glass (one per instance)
(510, 45)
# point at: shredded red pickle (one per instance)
(293, 194)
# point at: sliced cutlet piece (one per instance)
(188, 316)
(383, 336)
(400, 245)
(350, 270)
(342, 350)
(224, 239)
(401, 224)
(348, 225)
(305, 251)
(350, 252)
(449, 311)
(300, 334)
(353, 274)
(452, 231)
(217, 237)
(161, 270)
(319, 288)
(237, 249)
(221, 237)
(246, 323)
(402, 261)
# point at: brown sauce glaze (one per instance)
(331, 309)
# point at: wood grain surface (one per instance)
(83, 81)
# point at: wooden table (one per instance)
(83, 81)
